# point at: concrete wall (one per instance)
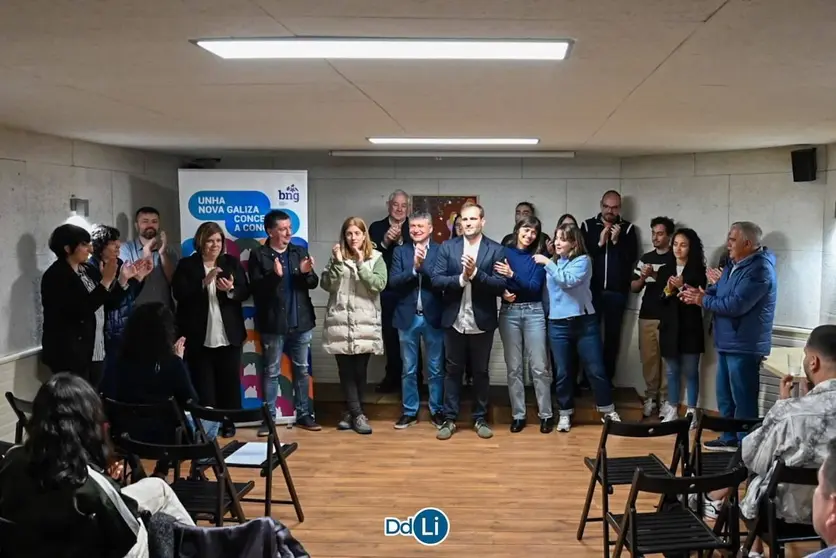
(38, 174)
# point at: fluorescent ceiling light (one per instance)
(454, 141)
(387, 49)
(457, 154)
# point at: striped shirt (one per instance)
(98, 346)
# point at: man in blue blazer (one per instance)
(464, 269)
(417, 315)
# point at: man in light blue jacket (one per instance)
(742, 298)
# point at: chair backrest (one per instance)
(22, 410)
(783, 474)
(675, 486)
(123, 417)
(224, 415)
(724, 424)
(185, 452)
(678, 428)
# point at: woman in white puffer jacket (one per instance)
(354, 278)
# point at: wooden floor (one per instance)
(514, 495)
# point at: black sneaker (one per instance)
(720, 445)
(437, 419)
(405, 422)
(308, 423)
(547, 425)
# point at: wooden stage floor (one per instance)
(513, 495)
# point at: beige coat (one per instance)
(352, 317)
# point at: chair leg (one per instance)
(605, 509)
(590, 493)
(297, 505)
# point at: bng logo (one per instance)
(291, 193)
(429, 526)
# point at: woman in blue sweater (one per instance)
(573, 323)
(522, 324)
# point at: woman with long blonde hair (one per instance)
(354, 277)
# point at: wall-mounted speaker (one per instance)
(804, 165)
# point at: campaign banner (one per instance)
(238, 200)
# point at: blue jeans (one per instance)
(211, 427)
(583, 333)
(688, 363)
(522, 327)
(410, 341)
(738, 386)
(298, 345)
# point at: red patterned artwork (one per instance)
(443, 210)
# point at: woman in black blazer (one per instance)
(681, 333)
(73, 294)
(209, 287)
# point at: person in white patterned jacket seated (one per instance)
(796, 429)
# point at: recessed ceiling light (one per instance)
(454, 141)
(387, 49)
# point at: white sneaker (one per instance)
(711, 508)
(564, 423)
(693, 412)
(612, 415)
(668, 412)
(648, 407)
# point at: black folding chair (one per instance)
(615, 471)
(674, 529)
(705, 463)
(276, 453)
(203, 499)
(774, 531)
(127, 418)
(22, 410)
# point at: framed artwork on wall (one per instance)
(443, 210)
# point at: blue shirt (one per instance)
(826, 553)
(568, 285)
(527, 282)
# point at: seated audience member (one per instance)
(73, 294)
(209, 287)
(106, 246)
(573, 323)
(149, 369)
(742, 298)
(522, 324)
(824, 504)
(681, 332)
(57, 487)
(796, 429)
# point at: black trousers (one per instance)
(467, 350)
(353, 370)
(216, 375)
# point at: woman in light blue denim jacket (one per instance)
(573, 323)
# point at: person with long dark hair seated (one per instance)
(73, 294)
(57, 488)
(209, 287)
(681, 331)
(522, 323)
(150, 369)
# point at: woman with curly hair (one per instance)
(58, 488)
(681, 333)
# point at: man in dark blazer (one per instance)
(417, 315)
(386, 235)
(281, 278)
(464, 269)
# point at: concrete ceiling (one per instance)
(645, 76)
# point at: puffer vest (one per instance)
(352, 317)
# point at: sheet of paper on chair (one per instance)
(252, 453)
